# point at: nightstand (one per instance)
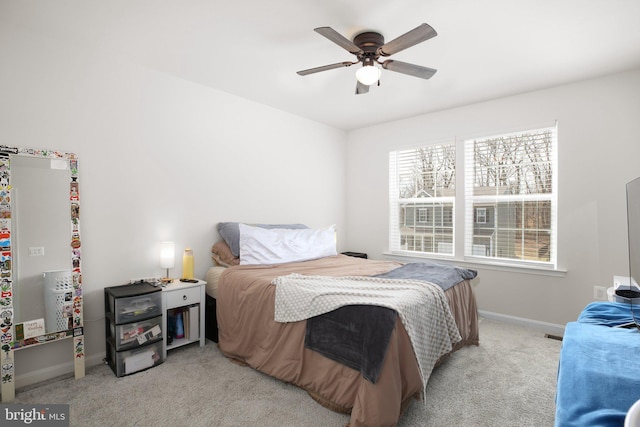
(186, 301)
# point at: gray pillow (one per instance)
(230, 232)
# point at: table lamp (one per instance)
(167, 257)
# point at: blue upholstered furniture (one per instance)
(599, 370)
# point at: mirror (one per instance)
(40, 240)
(40, 254)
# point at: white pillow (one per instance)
(277, 245)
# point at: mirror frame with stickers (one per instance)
(14, 337)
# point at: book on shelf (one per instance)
(187, 321)
(194, 318)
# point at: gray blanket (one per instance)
(442, 275)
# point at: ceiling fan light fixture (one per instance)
(368, 74)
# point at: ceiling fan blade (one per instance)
(410, 69)
(325, 68)
(417, 35)
(361, 88)
(339, 39)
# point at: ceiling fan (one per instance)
(368, 47)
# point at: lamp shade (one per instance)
(368, 74)
(167, 254)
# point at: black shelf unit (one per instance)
(133, 327)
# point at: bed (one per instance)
(245, 299)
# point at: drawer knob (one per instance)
(184, 297)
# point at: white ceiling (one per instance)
(485, 49)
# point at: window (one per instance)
(422, 215)
(481, 215)
(422, 183)
(509, 199)
(512, 177)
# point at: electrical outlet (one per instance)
(600, 293)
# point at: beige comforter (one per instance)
(248, 333)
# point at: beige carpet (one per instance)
(509, 380)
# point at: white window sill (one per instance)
(475, 264)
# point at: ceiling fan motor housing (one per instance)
(369, 42)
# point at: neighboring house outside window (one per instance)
(509, 199)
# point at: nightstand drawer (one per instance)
(180, 297)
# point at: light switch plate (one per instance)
(36, 251)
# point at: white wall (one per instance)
(160, 159)
(599, 151)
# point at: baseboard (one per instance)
(550, 328)
(51, 372)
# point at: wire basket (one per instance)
(58, 292)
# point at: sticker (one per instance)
(7, 370)
(75, 212)
(75, 240)
(79, 347)
(5, 238)
(6, 337)
(74, 193)
(6, 316)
